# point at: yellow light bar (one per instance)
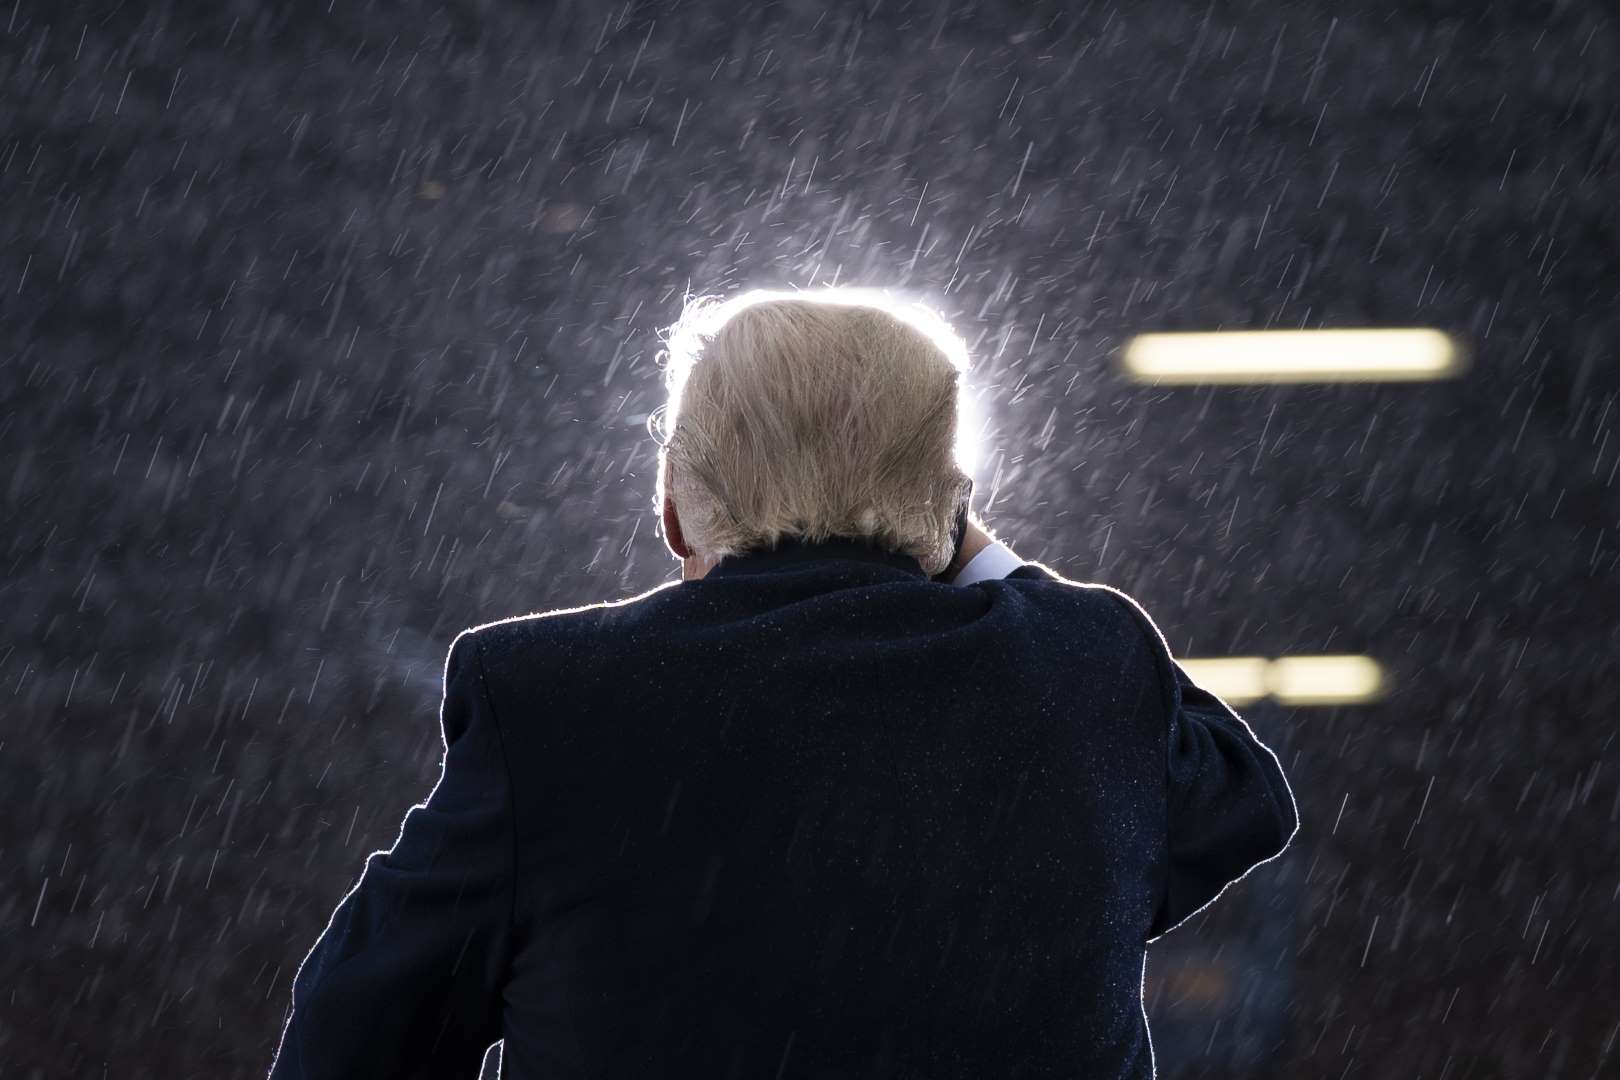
(1325, 680)
(1292, 680)
(1234, 679)
(1293, 356)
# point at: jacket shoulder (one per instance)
(1041, 573)
(1127, 607)
(1121, 603)
(556, 630)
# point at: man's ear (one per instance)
(673, 538)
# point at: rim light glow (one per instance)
(1293, 356)
(972, 430)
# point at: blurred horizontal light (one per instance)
(1325, 680)
(1236, 680)
(1292, 680)
(1292, 356)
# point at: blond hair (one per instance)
(814, 415)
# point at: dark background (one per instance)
(328, 329)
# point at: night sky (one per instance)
(329, 329)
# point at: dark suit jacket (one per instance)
(812, 816)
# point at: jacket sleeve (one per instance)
(406, 978)
(1229, 807)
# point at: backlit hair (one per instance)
(814, 414)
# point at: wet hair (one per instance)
(830, 413)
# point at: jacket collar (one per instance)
(793, 551)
